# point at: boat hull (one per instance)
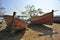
(18, 23)
(44, 19)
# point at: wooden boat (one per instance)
(17, 22)
(44, 19)
(13, 21)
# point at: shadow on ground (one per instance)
(41, 28)
(7, 36)
(57, 22)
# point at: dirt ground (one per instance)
(42, 32)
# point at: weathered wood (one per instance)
(44, 19)
(12, 22)
(18, 24)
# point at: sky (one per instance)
(19, 5)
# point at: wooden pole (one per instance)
(12, 23)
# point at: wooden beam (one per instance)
(14, 13)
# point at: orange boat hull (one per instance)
(18, 23)
(44, 19)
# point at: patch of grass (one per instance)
(3, 24)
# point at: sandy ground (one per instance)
(34, 33)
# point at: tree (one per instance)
(40, 11)
(31, 11)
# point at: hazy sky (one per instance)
(19, 5)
